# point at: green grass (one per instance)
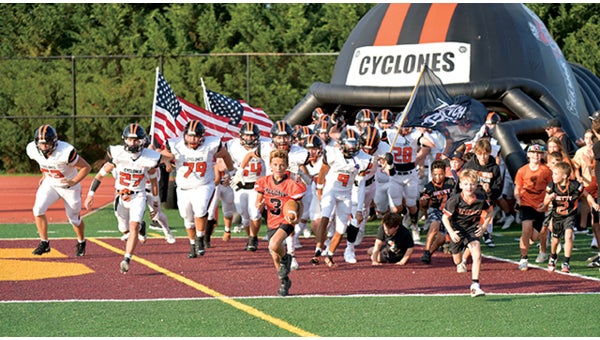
(553, 315)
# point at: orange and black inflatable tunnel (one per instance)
(499, 54)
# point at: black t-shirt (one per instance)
(399, 242)
(465, 215)
(438, 195)
(565, 203)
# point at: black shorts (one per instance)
(386, 255)
(288, 228)
(466, 237)
(560, 225)
(530, 214)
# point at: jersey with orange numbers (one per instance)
(58, 165)
(567, 199)
(276, 194)
(130, 169)
(255, 167)
(533, 184)
(343, 171)
(405, 148)
(374, 166)
(195, 167)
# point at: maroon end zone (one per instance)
(231, 271)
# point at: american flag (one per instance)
(171, 113)
(238, 113)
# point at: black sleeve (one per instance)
(108, 155)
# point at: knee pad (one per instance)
(351, 233)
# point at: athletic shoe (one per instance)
(541, 258)
(523, 265)
(565, 268)
(415, 233)
(508, 222)
(266, 237)
(476, 290)
(80, 249)
(487, 239)
(285, 266)
(238, 229)
(315, 259)
(43, 247)
(284, 288)
(306, 233)
(329, 261)
(154, 225)
(207, 241)
(595, 264)
(170, 238)
(200, 246)
(349, 256)
(580, 230)
(551, 265)
(226, 235)
(142, 232)
(461, 267)
(252, 244)
(426, 258)
(294, 265)
(594, 244)
(125, 237)
(124, 266)
(192, 254)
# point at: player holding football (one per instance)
(274, 191)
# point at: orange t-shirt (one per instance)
(276, 194)
(533, 184)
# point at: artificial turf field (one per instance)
(231, 292)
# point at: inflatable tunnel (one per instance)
(499, 54)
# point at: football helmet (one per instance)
(385, 116)
(137, 132)
(322, 129)
(193, 128)
(317, 114)
(281, 134)
(301, 134)
(369, 140)
(364, 118)
(314, 145)
(249, 135)
(349, 142)
(45, 134)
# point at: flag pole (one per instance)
(154, 109)
(206, 102)
(408, 106)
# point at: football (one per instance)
(290, 210)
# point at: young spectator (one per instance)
(564, 194)
(490, 180)
(466, 215)
(433, 198)
(131, 163)
(63, 170)
(273, 193)
(531, 181)
(393, 243)
(583, 166)
(554, 129)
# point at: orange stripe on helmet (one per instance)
(391, 25)
(437, 23)
(42, 132)
(250, 126)
(133, 128)
(371, 136)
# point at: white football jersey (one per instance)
(58, 165)
(343, 171)
(254, 169)
(194, 167)
(405, 148)
(130, 168)
(297, 156)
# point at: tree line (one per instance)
(37, 42)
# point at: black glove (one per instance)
(389, 158)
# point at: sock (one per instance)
(476, 281)
(567, 259)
